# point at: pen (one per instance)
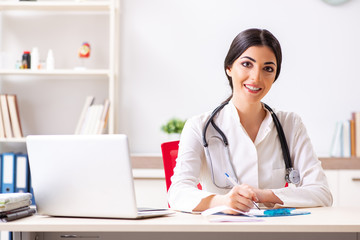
(235, 183)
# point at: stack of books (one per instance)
(15, 205)
(10, 126)
(93, 118)
(346, 138)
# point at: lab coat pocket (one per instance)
(278, 178)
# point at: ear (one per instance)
(228, 71)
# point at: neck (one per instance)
(249, 111)
(251, 115)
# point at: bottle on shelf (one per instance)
(35, 58)
(26, 60)
(50, 62)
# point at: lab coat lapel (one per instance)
(265, 128)
(242, 150)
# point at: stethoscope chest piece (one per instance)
(292, 176)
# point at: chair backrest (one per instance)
(169, 153)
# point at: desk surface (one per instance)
(320, 220)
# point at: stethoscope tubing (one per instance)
(280, 131)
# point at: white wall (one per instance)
(172, 54)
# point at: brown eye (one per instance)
(246, 64)
(269, 69)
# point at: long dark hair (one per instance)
(248, 38)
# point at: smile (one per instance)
(252, 88)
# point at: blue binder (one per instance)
(31, 189)
(22, 173)
(0, 172)
(6, 235)
(8, 170)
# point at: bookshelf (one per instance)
(108, 74)
(12, 140)
(56, 6)
(56, 72)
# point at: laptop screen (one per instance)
(82, 175)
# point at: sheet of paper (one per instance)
(255, 212)
(236, 219)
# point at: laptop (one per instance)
(84, 176)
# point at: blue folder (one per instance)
(8, 171)
(22, 173)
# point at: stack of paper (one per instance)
(15, 205)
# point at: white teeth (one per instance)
(252, 88)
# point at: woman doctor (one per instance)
(253, 157)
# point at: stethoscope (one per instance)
(291, 176)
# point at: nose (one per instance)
(255, 74)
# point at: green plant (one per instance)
(174, 125)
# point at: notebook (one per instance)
(84, 176)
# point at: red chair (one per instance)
(169, 153)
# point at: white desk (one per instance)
(322, 223)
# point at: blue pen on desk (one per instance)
(235, 183)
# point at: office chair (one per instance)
(169, 153)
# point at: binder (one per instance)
(22, 173)
(8, 173)
(31, 189)
(0, 173)
(6, 235)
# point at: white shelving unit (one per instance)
(57, 72)
(58, 5)
(111, 7)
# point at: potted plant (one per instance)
(173, 128)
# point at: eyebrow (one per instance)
(266, 63)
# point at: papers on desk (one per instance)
(14, 206)
(254, 215)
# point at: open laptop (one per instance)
(84, 176)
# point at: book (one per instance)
(104, 117)
(17, 214)
(2, 130)
(352, 137)
(356, 118)
(88, 102)
(346, 139)
(14, 115)
(6, 116)
(93, 117)
(336, 145)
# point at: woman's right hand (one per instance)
(240, 197)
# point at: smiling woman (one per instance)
(240, 139)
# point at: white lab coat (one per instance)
(259, 164)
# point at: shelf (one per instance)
(57, 6)
(155, 162)
(56, 72)
(12, 140)
(329, 163)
